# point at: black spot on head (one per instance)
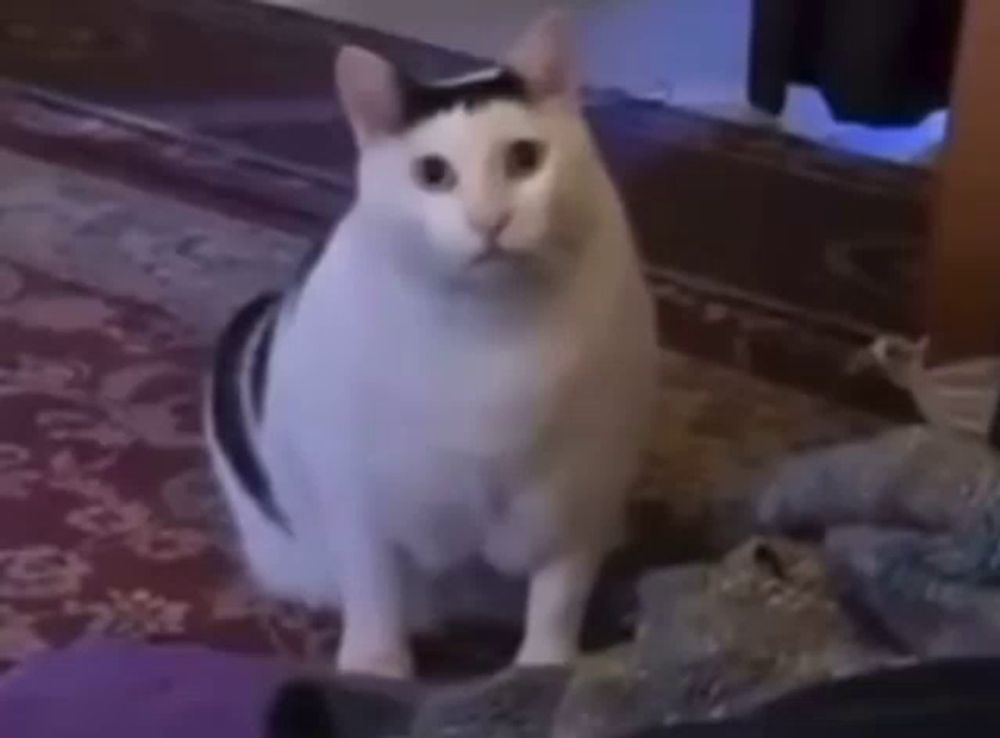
(301, 710)
(423, 100)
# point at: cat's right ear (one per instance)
(370, 91)
(544, 57)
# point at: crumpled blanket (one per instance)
(713, 640)
(910, 530)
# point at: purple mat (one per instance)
(115, 688)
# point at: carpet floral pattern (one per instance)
(108, 525)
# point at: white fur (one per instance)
(425, 408)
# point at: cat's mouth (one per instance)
(493, 252)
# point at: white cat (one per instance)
(466, 371)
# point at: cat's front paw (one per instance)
(377, 662)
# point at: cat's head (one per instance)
(489, 171)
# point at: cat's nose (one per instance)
(490, 224)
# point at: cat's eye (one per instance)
(433, 172)
(524, 157)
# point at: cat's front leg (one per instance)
(557, 599)
(373, 638)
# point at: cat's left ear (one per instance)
(371, 93)
(545, 57)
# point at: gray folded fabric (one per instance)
(935, 595)
(911, 528)
(912, 477)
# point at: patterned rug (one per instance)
(109, 524)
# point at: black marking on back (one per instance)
(258, 368)
(305, 267)
(422, 100)
(262, 350)
(233, 430)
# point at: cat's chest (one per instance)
(476, 397)
(440, 502)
